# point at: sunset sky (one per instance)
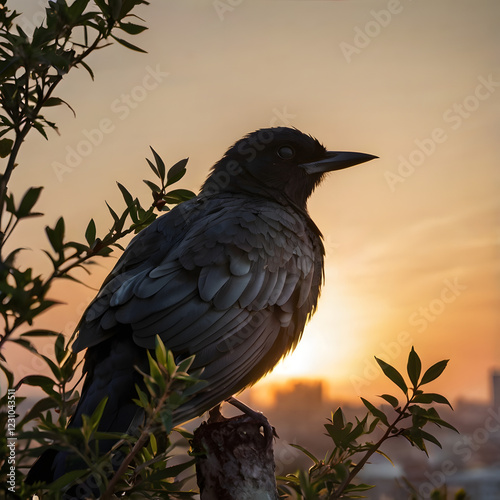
(411, 238)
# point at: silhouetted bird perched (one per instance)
(231, 276)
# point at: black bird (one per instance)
(231, 276)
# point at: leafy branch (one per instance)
(169, 386)
(31, 68)
(138, 461)
(333, 477)
(25, 295)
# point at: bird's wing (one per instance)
(230, 281)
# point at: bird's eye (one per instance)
(286, 152)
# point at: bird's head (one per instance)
(281, 163)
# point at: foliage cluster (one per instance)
(333, 477)
(31, 67)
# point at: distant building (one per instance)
(479, 484)
(387, 478)
(496, 389)
(301, 394)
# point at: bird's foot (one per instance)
(269, 430)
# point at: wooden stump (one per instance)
(234, 458)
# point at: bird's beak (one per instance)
(336, 160)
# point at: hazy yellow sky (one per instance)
(412, 238)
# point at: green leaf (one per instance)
(153, 168)
(112, 212)
(68, 367)
(5, 147)
(434, 371)
(393, 401)
(104, 7)
(53, 101)
(178, 196)
(338, 419)
(116, 7)
(91, 423)
(429, 397)
(152, 186)
(433, 416)
(56, 101)
(177, 171)
(153, 444)
(8, 374)
(134, 212)
(171, 366)
(375, 411)
(53, 367)
(40, 333)
(169, 472)
(358, 487)
(359, 430)
(39, 127)
(132, 29)
(381, 453)
(88, 68)
(28, 202)
(160, 165)
(76, 9)
(338, 435)
(166, 420)
(130, 46)
(129, 200)
(391, 373)
(90, 232)
(185, 364)
(9, 203)
(23, 342)
(56, 235)
(60, 352)
(430, 438)
(38, 381)
(308, 453)
(38, 408)
(155, 372)
(143, 398)
(373, 425)
(184, 433)
(414, 436)
(414, 367)
(160, 351)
